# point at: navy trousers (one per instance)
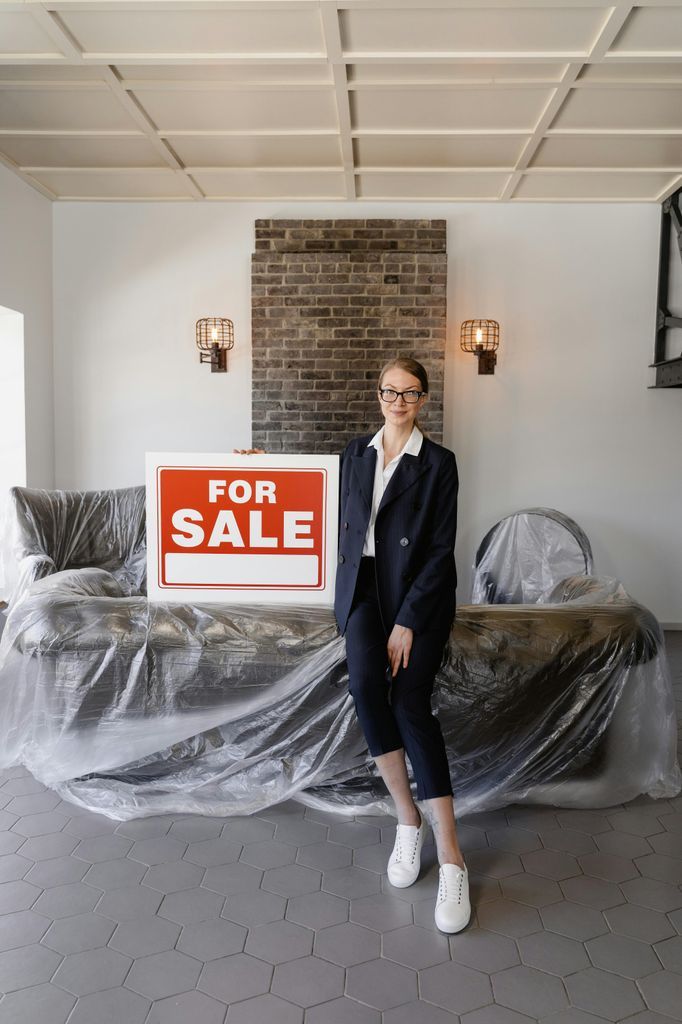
(395, 713)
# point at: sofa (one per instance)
(130, 707)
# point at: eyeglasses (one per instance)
(389, 395)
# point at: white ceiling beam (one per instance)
(611, 26)
(25, 176)
(671, 187)
(331, 32)
(71, 49)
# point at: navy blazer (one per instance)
(414, 535)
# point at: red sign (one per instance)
(241, 528)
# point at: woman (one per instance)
(395, 603)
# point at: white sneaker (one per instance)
(405, 861)
(453, 908)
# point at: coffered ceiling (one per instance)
(534, 100)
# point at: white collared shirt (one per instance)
(382, 474)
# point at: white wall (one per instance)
(566, 421)
(26, 287)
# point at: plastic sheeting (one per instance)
(131, 708)
(525, 555)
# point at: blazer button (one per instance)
(404, 541)
(341, 559)
(345, 526)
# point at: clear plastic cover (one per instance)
(132, 708)
(526, 555)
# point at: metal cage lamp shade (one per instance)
(215, 336)
(482, 337)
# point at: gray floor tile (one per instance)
(347, 944)
(484, 950)
(300, 832)
(10, 842)
(144, 936)
(382, 984)
(663, 993)
(161, 850)
(66, 900)
(324, 856)
(639, 923)
(569, 840)
(663, 869)
(604, 994)
(380, 911)
(647, 892)
(145, 828)
(254, 907)
(495, 863)
(529, 991)
(307, 981)
(232, 878)
(351, 882)
(33, 803)
(621, 844)
(92, 971)
(280, 941)
(39, 824)
(129, 902)
(114, 874)
(41, 1004)
(56, 871)
(317, 909)
(496, 1014)
(455, 987)
(113, 1006)
(17, 895)
(174, 877)
(343, 1011)
(292, 880)
(555, 954)
(87, 826)
(187, 1007)
(13, 866)
(234, 978)
(670, 953)
(264, 1008)
(418, 1013)
(268, 853)
(509, 918)
(414, 947)
(247, 830)
(621, 955)
(574, 920)
(593, 892)
(210, 940)
(163, 974)
(191, 906)
(532, 890)
(22, 928)
(210, 853)
(78, 933)
(195, 828)
(26, 966)
(555, 864)
(513, 840)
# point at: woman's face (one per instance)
(401, 412)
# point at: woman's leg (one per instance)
(441, 816)
(393, 771)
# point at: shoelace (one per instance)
(443, 893)
(399, 845)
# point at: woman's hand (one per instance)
(399, 647)
(248, 451)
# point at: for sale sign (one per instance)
(241, 528)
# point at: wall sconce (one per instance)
(482, 337)
(215, 335)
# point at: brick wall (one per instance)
(332, 301)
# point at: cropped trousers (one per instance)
(396, 713)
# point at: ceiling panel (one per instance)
(492, 30)
(466, 108)
(114, 184)
(20, 33)
(491, 72)
(70, 151)
(610, 151)
(652, 29)
(438, 150)
(435, 186)
(591, 185)
(278, 185)
(622, 108)
(202, 30)
(257, 150)
(244, 110)
(56, 107)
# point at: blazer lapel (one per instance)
(364, 466)
(407, 472)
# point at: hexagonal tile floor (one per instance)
(287, 917)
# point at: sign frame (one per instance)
(230, 577)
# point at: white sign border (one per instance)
(255, 595)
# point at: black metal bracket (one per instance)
(217, 357)
(668, 371)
